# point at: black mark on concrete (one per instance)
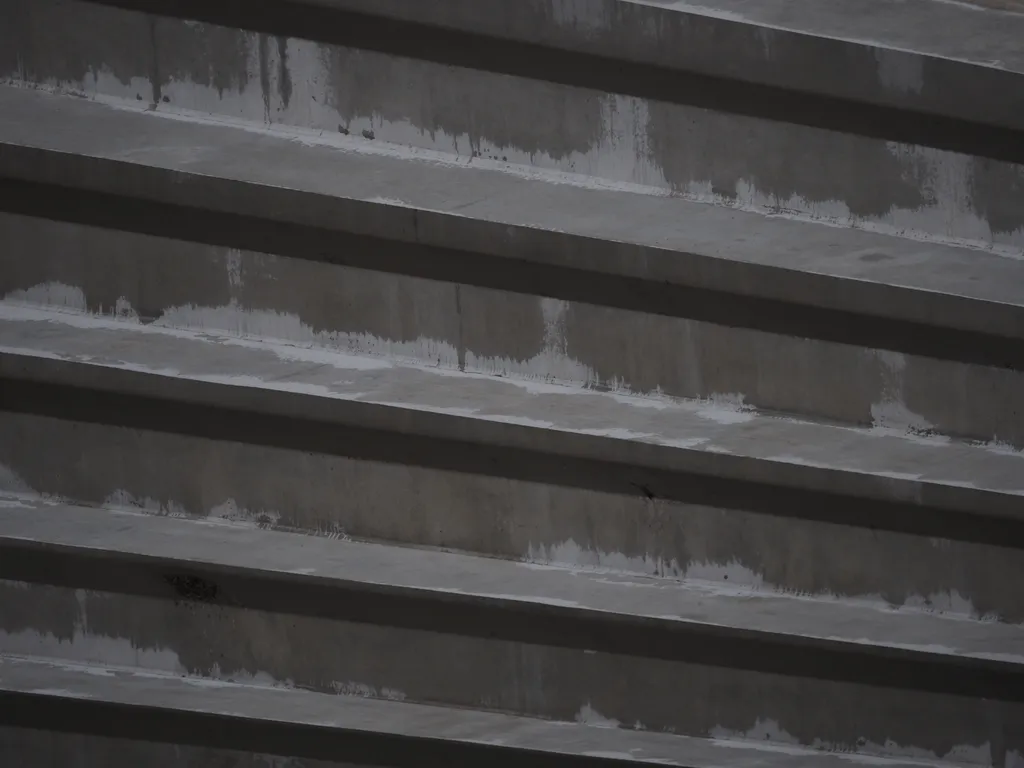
(193, 588)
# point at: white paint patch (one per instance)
(797, 751)
(733, 579)
(100, 655)
(361, 351)
(726, 409)
(52, 294)
(364, 691)
(11, 483)
(552, 363)
(85, 648)
(589, 716)
(769, 730)
(125, 500)
(569, 554)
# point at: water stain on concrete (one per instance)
(997, 193)
(64, 41)
(204, 54)
(480, 108)
(787, 163)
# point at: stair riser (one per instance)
(517, 519)
(729, 159)
(196, 286)
(47, 749)
(563, 684)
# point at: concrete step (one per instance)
(118, 718)
(123, 551)
(101, 410)
(230, 604)
(384, 252)
(919, 135)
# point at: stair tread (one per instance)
(271, 710)
(679, 241)
(676, 435)
(120, 533)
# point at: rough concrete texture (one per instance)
(277, 708)
(230, 644)
(185, 285)
(537, 521)
(731, 160)
(213, 548)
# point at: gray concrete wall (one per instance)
(656, 146)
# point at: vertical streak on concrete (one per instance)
(461, 343)
(284, 78)
(265, 74)
(154, 62)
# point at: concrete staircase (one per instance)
(511, 382)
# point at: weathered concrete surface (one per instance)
(88, 352)
(221, 643)
(277, 711)
(363, 187)
(732, 160)
(318, 186)
(432, 575)
(517, 518)
(541, 523)
(458, 326)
